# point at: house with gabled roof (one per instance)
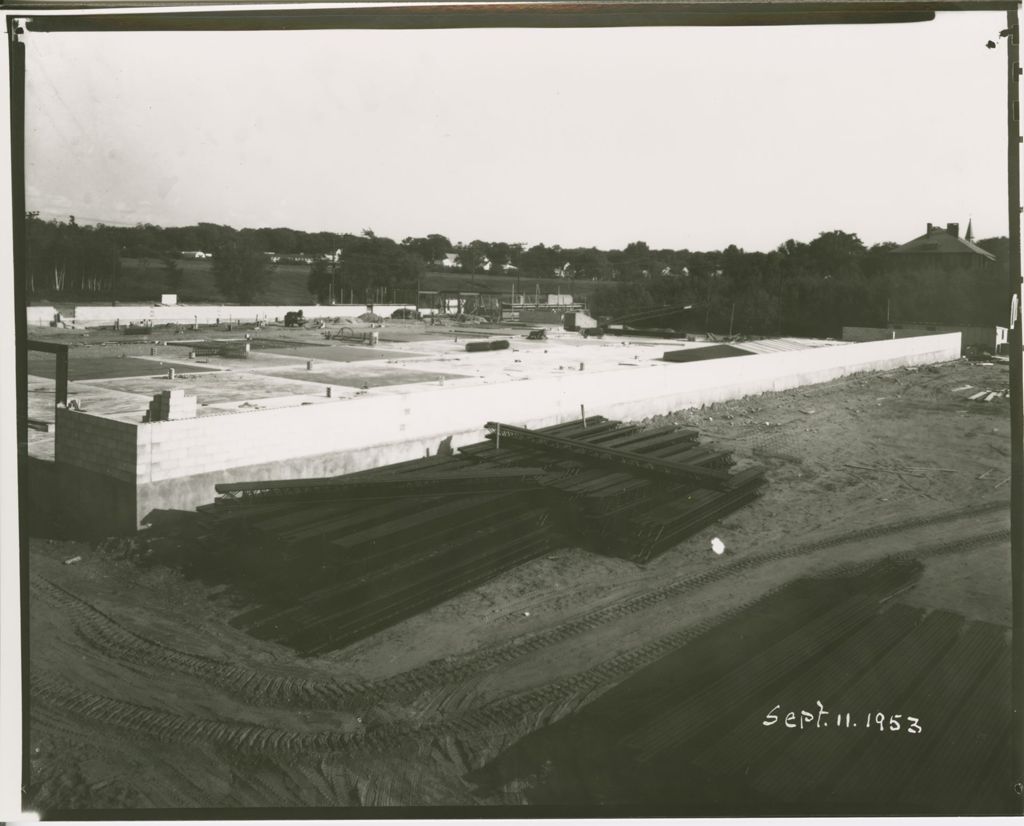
(944, 247)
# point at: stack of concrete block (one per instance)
(171, 405)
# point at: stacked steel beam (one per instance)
(328, 561)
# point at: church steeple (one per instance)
(970, 232)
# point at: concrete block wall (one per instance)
(210, 313)
(97, 444)
(185, 493)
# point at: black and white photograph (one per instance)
(514, 409)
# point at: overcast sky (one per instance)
(684, 138)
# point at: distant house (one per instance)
(196, 254)
(450, 260)
(943, 247)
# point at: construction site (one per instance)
(397, 562)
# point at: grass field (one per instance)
(505, 284)
(143, 280)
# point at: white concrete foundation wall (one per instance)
(168, 450)
(207, 313)
(40, 316)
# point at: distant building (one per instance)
(944, 248)
(450, 260)
(199, 254)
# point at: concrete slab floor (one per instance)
(349, 377)
(109, 366)
(344, 352)
(277, 377)
(217, 387)
(92, 398)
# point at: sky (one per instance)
(692, 138)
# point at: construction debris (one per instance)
(716, 351)
(989, 395)
(481, 346)
(329, 561)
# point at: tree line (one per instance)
(800, 288)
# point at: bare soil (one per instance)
(144, 696)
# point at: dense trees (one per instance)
(68, 258)
(240, 270)
(430, 249)
(808, 289)
(799, 288)
(369, 263)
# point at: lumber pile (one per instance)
(328, 561)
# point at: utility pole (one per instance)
(1015, 297)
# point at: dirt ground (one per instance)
(144, 696)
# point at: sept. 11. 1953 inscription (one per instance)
(802, 719)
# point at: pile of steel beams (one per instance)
(328, 561)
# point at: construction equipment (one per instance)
(294, 318)
(626, 324)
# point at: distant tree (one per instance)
(591, 264)
(541, 261)
(430, 249)
(370, 263)
(619, 299)
(469, 256)
(240, 270)
(172, 273)
(836, 253)
(319, 281)
(67, 259)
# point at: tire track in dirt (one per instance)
(542, 704)
(259, 688)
